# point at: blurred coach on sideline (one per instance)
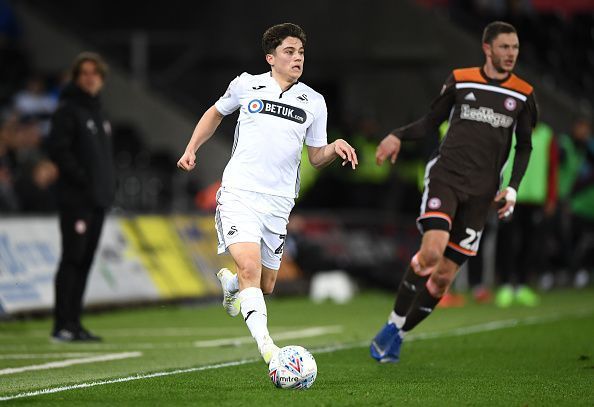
(80, 144)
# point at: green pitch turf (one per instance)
(176, 355)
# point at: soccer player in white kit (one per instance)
(261, 181)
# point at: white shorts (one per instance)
(246, 216)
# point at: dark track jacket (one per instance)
(80, 144)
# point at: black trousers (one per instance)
(81, 229)
(522, 245)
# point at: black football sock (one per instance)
(422, 306)
(410, 286)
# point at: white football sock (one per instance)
(253, 309)
(232, 284)
(396, 320)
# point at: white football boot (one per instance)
(230, 299)
(268, 349)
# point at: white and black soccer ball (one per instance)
(293, 367)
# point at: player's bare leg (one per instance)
(246, 256)
(230, 283)
(268, 280)
(422, 265)
(441, 280)
(251, 298)
(426, 300)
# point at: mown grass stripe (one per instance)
(461, 331)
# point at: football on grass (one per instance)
(293, 367)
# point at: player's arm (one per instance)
(526, 123)
(209, 122)
(205, 128)
(427, 125)
(319, 157)
(319, 152)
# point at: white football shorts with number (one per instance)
(246, 216)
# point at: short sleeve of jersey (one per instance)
(229, 102)
(316, 135)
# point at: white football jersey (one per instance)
(270, 132)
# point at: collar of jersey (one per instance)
(491, 80)
(282, 92)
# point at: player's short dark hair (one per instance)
(86, 56)
(494, 29)
(276, 34)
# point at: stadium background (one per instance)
(378, 64)
(152, 291)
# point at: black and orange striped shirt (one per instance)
(483, 114)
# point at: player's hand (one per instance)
(389, 147)
(508, 197)
(187, 161)
(346, 152)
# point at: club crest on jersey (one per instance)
(92, 126)
(434, 203)
(277, 109)
(255, 106)
(510, 104)
(302, 98)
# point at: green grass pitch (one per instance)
(181, 355)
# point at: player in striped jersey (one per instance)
(485, 106)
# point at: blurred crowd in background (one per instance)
(556, 36)
(27, 101)
(549, 240)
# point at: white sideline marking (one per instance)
(70, 362)
(489, 326)
(236, 341)
(302, 333)
(16, 356)
(165, 331)
(496, 325)
(100, 347)
(126, 379)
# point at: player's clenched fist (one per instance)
(187, 161)
(346, 152)
(389, 147)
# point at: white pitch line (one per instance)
(467, 330)
(236, 341)
(126, 379)
(101, 347)
(242, 340)
(71, 362)
(165, 331)
(328, 349)
(128, 332)
(16, 356)
(496, 325)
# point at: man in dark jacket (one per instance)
(80, 144)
